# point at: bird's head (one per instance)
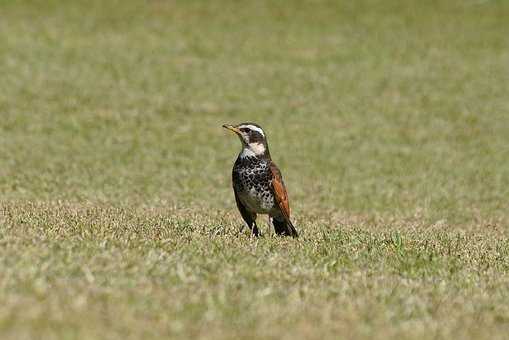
(252, 137)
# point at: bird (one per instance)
(257, 182)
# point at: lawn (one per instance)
(390, 123)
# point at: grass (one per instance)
(388, 119)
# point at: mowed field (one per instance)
(389, 121)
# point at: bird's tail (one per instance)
(291, 228)
(285, 228)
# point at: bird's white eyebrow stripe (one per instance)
(252, 127)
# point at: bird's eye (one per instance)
(246, 130)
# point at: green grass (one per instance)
(388, 119)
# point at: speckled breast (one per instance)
(252, 180)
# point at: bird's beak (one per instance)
(232, 128)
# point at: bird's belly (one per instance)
(252, 182)
(258, 200)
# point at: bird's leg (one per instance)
(254, 229)
(251, 223)
(271, 224)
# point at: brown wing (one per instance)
(278, 187)
(280, 191)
